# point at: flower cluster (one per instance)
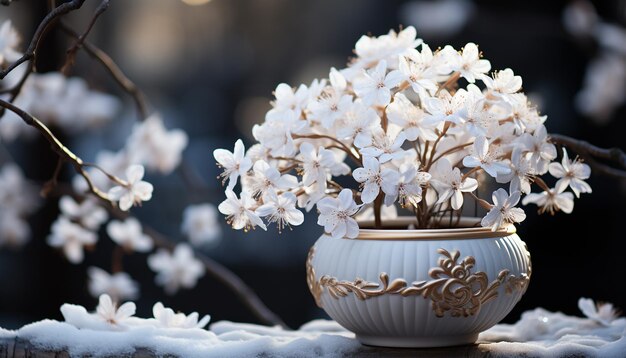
(109, 317)
(65, 102)
(415, 127)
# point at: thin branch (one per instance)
(453, 78)
(113, 69)
(451, 150)
(342, 146)
(482, 202)
(62, 151)
(31, 51)
(52, 183)
(446, 126)
(245, 294)
(71, 52)
(591, 153)
(117, 259)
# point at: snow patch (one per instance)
(537, 333)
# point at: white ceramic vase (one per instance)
(419, 288)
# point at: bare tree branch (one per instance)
(113, 69)
(71, 52)
(592, 153)
(53, 16)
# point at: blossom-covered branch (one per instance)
(423, 130)
(62, 151)
(149, 144)
(592, 154)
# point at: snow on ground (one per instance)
(537, 333)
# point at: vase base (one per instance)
(417, 342)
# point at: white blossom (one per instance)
(478, 118)
(16, 192)
(411, 119)
(374, 87)
(385, 146)
(108, 311)
(407, 188)
(14, 231)
(571, 173)
(417, 70)
(372, 177)
(310, 195)
(240, 211)
(66, 102)
(179, 269)
(234, 163)
(358, 125)
(276, 134)
(551, 201)
(152, 145)
(72, 238)
(108, 317)
(288, 100)
(329, 107)
(120, 286)
(134, 192)
(166, 317)
(9, 40)
(387, 47)
(450, 184)
(318, 164)
(503, 82)
(200, 224)
(447, 108)
(602, 313)
(469, 64)
(88, 213)
(129, 235)
(484, 157)
(335, 215)
(267, 179)
(503, 211)
(281, 209)
(540, 150)
(520, 173)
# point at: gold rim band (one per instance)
(398, 231)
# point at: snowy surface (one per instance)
(538, 333)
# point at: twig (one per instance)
(71, 52)
(342, 146)
(117, 259)
(591, 153)
(245, 294)
(52, 183)
(378, 203)
(31, 51)
(62, 151)
(453, 78)
(113, 69)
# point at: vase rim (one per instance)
(467, 229)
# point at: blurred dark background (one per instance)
(210, 69)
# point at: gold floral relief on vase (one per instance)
(453, 287)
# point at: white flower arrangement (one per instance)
(419, 128)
